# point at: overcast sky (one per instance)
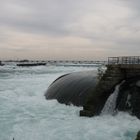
(69, 29)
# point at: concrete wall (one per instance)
(113, 75)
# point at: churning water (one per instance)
(109, 107)
(25, 114)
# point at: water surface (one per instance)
(25, 114)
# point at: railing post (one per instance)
(124, 60)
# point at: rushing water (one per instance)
(109, 107)
(25, 114)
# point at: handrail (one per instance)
(124, 60)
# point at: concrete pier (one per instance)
(118, 69)
(1, 64)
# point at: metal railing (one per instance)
(124, 60)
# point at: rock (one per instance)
(138, 136)
(72, 88)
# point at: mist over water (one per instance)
(25, 114)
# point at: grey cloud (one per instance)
(114, 21)
(43, 16)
